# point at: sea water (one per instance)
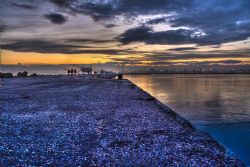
(217, 104)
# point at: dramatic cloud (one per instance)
(40, 46)
(164, 63)
(24, 6)
(90, 41)
(61, 2)
(139, 30)
(210, 23)
(231, 62)
(157, 21)
(178, 36)
(100, 9)
(110, 25)
(183, 49)
(56, 18)
(2, 28)
(148, 36)
(171, 56)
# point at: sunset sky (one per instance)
(134, 32)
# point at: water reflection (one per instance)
(217, 104)
(201, 98)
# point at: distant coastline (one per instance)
(147, 73)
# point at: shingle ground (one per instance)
(66, 121)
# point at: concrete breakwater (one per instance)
(66, 121)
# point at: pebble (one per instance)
(66, 121)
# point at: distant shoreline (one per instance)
(189, 73)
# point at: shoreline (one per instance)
(248, 73)
(166, 108)
(125, 125)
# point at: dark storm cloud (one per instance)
(110, 25)
(100, 7)
(211, 22)
(180, 36)
(148, 36)
(40, 46)
(170, 56)
(90, 41)
(220, 21)
(2, 28)
(24, 6)
(56, 18)
(101, 10)
(157, 21)
(231, 61)
(61, 2)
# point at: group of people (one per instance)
(72, 71)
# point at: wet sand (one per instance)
(65, 121)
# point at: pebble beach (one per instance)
(71, 121)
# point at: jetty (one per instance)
(71, 121)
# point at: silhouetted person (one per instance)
(22, 74)
(25, 74)
(68, 72)
(74, 71)
(71, 71)
(6, 75)
(34, 75)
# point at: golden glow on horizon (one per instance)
(246, 59)
(10, 57)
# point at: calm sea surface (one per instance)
(217, 104)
